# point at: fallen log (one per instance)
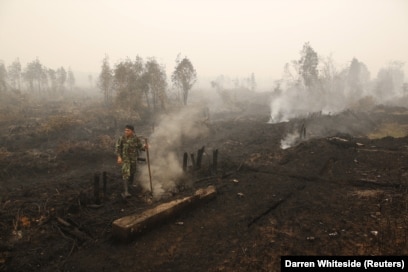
(128, 227)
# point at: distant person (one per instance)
(127, 149)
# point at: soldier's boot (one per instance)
(126, 189)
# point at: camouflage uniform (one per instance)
(128, 149)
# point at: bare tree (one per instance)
(291, 74)
(331, 80)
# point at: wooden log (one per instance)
(130, 226)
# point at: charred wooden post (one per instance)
(96, 188)
(185, 158)
(302, 131)
(193, 159)
(200, 153)
(105, 180)
(215, 160)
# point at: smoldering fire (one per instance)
(167, 138)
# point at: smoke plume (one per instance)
(164, 149)
(302, 103)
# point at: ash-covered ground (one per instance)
(324, 184)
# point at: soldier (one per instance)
(127, 149)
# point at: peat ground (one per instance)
(339, 188)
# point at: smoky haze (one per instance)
(165, 145)
(234, 38)
(348, 90)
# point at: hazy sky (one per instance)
(230, 37)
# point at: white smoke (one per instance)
(164, 143)
(330, 99)
(297, 103)
(290, 140)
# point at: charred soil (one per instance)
(335, 190)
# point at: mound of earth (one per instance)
(332, 190)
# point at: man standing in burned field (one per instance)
(127, 149)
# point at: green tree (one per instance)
(52, 75)
(405, 89)
(90, 80)
(357, 78)
(218, 83)
(129, 83)
(390, 80)
(106, 80)
(3, 77)
(70, 79)
(308, 65)
(29, 76)
(184, 77)
(139, 82)
(61, 75)
(252, 82)
(157, 83)
(14, 74)
(121, 74)
(35, 75)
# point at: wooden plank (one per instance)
(128, 227)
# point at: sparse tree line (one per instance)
(140, 84)
(315, 74)
(35, 78)
(320, 75)
(129, 84)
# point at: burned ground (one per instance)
(340, 188)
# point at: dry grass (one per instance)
(106, 142)
(73, 146)
(389, 130)
(4, 153)
(58, 123)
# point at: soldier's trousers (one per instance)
(128, 170)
